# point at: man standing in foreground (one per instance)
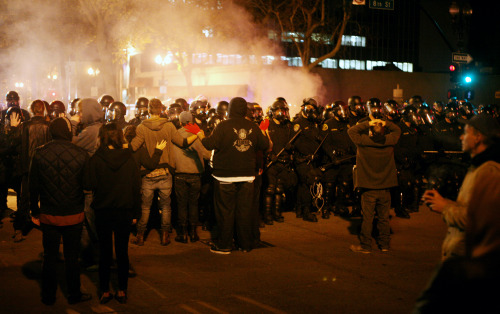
(56, 180)
(235, 142)
(375, 175)
(480, 140)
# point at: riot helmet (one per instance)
(327, 112)
(489, 109)
(222, 108)
(374, 108)
(411, 115)
(141, 108)
(426, 114)
(258, 114)
(174, 111)
(116, 112)
(73, 107)
(438, 107)
(184, 104)
(279, 111)
(250, 111)
(451, 111)
(56, 108)
(199, 110)
(466, 110)
(10, 112)
(12, 99)
(391, 110)
(310, 109)
(105, 101)
(339, 110)
(356, 106)
(415, 101)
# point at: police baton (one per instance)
(283, 149)
(319, 146)
(336, 162)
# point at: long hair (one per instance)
(110, 134)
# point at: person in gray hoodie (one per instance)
(187, 183)
(90, 118)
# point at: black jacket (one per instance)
(34, 133)
(113, 177)
(235, 142)
(56, 179)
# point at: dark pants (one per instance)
(375, 201)
(233, 211)
(187, 191)
(304, 198)
(106, 227)
(71, 247)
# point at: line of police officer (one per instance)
(310, 166)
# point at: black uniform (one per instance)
(305, 145)
(338, 148)
(447, 173)
(279, 175)
(407, 156)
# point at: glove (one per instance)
(192, 128)
(264, 124)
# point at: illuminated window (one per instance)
(354, 41)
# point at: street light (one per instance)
(94, 73)
(163, 61)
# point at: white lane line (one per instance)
(213, 308)
(102, 309)
(261, 305)
(189, 309)
(161, 295)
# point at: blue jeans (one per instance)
(164, 186)
(375, 201)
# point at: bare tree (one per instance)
(305, 23)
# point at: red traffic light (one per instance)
(452, 68)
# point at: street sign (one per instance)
(381, 4)
(461, 57)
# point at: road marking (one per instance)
(213, 308)
(261, 305)
(152, 288)
(189, 309)
(102, 309)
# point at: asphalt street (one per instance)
(304, 268)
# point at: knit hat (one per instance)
(185, 117)
(485, 124)
(237, 108)
(60, 129)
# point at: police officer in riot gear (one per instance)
(407, 156)
(219, 115)
(357, 110)
(141, 111)
(258, 114)
(73, 109)
(391, 111)
(199, 110)
(438, 109)
(305, 146)
(450, 167)
(279, 174)
(105, 101)
(340, 153)
(174, 111)
(56, 109)
(466, 110)
(116, 113)
(12, 100)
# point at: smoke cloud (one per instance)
(46, 38)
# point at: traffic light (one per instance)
(454, 73)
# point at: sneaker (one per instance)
(215, 249)
(359, 249)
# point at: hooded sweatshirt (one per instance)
(92, 119)
(154, 130)
(114, 179)
(235, 142)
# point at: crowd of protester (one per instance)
(85, 173)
